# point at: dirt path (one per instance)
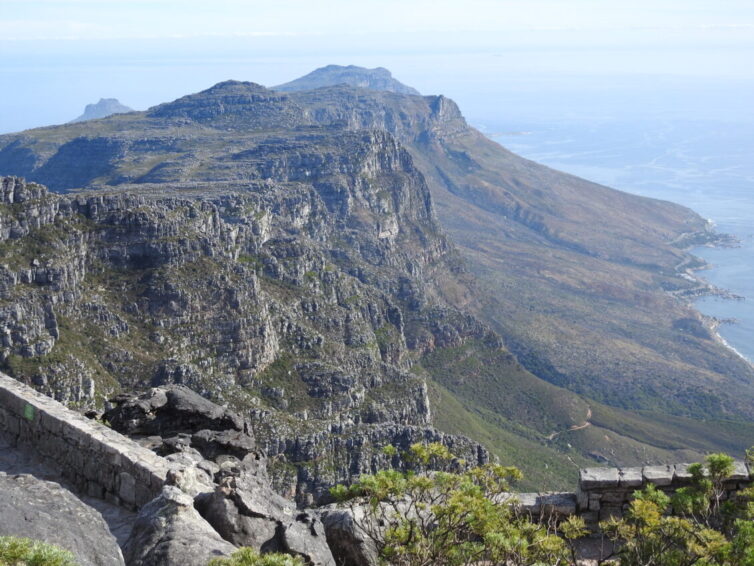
(581, 426)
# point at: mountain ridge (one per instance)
(534, 270)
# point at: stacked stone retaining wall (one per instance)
(606, 492)
(96, 460)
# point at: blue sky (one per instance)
(106, 19)
(62, 54)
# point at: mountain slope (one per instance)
(580, 279)
(323, 185)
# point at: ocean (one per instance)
(705, 165)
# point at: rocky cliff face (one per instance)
(581, 279)
(300, 303)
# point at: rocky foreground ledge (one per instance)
(200, 490)
(192, 472)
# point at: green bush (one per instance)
(694, 527)
(18, 551)
(249, 557)
(417, 518)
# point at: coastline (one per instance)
(713, 325)
(688, 269)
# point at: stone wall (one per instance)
(606, 492)
(96, 460)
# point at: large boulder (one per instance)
(347, 530)
(168, 530)
(46, 511)
(246, 512)
(167, 411)
(217, 464)
(186, 428)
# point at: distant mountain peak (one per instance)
(331, 75)
(232, 104)
(102, 109)
(229, 86)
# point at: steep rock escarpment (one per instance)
(250, 297)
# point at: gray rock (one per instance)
(246, 512)
(630, 477)
(658, 475)
(44, 510)
(305, 536)
(166, 411)
(212, 443)
(591, 478)
(236, 522)
(169, 531)
(350, 544)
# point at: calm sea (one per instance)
(706, 166)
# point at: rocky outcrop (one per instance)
(243, 297)
(102, 109)
(190, 431)
(351, 545)
(44, 510)
(246, 512)
(169, 411)
(168, 530)
(218, 465)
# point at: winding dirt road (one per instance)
(583, 425)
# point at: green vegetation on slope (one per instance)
(20, 551)
(484, 394)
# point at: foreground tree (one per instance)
(416, 517)
(420, 518)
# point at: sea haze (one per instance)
(705, 165)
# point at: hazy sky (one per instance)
(104, 19)
(566, 56)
